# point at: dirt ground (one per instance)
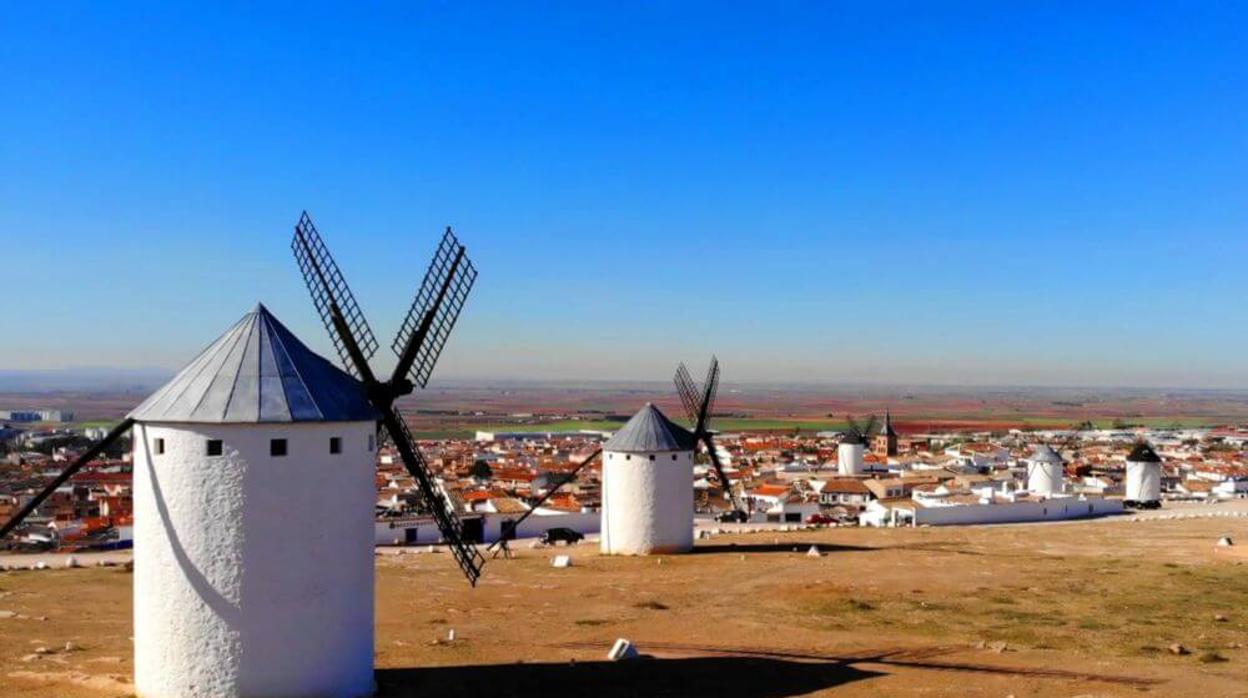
(1082, 609)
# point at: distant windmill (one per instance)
(699, 406)
(852, 449)
(418, 345)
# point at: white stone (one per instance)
(622, 650)
(253, 574)
(814, 552)
(1225, 542)
(41, 565)
(561, 561)
(72, 562)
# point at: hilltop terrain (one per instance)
(1030, 610)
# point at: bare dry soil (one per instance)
(1043, 610)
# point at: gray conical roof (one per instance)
(1045, 454)
(1143, 453)
(649, 431)
(258, 371)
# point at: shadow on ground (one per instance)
(791, 547)
(723, 677)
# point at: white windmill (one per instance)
(1143, 477)
(254, 494)
(647, 486)
(1046, 471)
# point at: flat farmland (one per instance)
(457, 411)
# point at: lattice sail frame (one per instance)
(331, 295)
(692, 396)
(688, 391)
(326, 285)
(862, 430)
(712, 391)
(450, 263)
(469, 558)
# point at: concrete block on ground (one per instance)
(622, 650)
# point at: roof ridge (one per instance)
(298, 374)
(232, 381)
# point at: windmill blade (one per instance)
(352, 337)
(853, 426)
(549, 493)
(91, 454)
(719, 470)
(700, 408)
(870, 425)
(466, 554)
(708, 398)
(434, 311)
(689, 393)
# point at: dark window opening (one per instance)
(651, 456)
(277, 447)
(335, 444)
(371, 442)
(673, 456)
(159, 446)
(214, 447)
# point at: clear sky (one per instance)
(986, 193)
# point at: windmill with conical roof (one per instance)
(254, 494)
(647, 486)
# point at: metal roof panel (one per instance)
(258, 371)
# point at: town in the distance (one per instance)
(894, 469)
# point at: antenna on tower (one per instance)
(419, 343)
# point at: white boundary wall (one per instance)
(1054, 509)
(253, 574)
(427, 533)
(647, 502)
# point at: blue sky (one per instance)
(983, 193)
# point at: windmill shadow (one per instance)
(791, 548)
(723, 677)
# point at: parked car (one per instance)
(731, 517)
(562, 535)
(820, 519)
